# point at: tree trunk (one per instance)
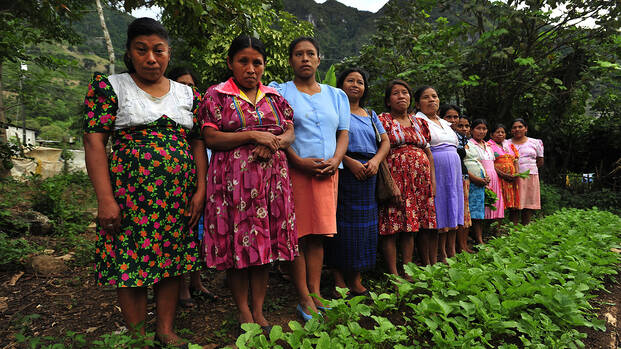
(109, 46)
(3, 124)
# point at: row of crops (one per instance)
(530, 288)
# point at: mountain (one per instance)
(340, 30)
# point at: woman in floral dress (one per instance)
(147, 191)
(506, 163)
(411, 165)
(249, 216)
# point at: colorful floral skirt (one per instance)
(510, 191)
(467, 219)
(249, 212)
(410, 168)
(153, 177)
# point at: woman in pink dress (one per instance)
(531, 158)
(486, 157)
(249, 216)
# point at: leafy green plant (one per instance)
(12, 251)
(57, 197)
(7, 151)
(530, 288)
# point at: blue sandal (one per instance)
(301, 312)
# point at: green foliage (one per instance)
(23, 23)
(7, 151)
(508, 59)
(72, 339)
(56, 198)
(412, 46)
(12, 251)
(215, 24)
(52, 98)
(530, 288)
(330, 77)
(554, 198)
(341, 30)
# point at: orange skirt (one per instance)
(467, 219)
(315, 203)
(510, 192)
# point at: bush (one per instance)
(554, 198)
(63, 198)
(12, 251)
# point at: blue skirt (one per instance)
(476, 201)
(354, 247)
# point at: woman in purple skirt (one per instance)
(449, 186)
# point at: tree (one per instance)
(27, 22)
(215, 23)
(504, 59)
(106, 34)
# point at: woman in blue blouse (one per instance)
(321, 125)
(354, 248)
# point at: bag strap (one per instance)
(378, 138)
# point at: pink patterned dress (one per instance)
(249, 214)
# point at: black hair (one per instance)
(520, 120)
(294, 43)
(177, 72)
(142, 26)
(478, 122)
(444, 108)
(344, 74)
(497, 126)
(464, 116)
(244, 41)
(388, 91)
(418, 93)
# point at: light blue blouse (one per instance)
(316, 119)
(362, 135)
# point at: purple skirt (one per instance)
(449, 186)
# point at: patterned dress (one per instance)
(249, 214)
(411, 171)
(505, 155)
(153, 176)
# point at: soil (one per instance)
(71, 301)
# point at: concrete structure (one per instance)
(16, 132)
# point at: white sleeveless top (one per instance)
(136, 107)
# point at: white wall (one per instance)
(16, 132)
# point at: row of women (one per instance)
(292, 176)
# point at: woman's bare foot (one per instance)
(260, 319)
(171, 339)
(246, 317)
